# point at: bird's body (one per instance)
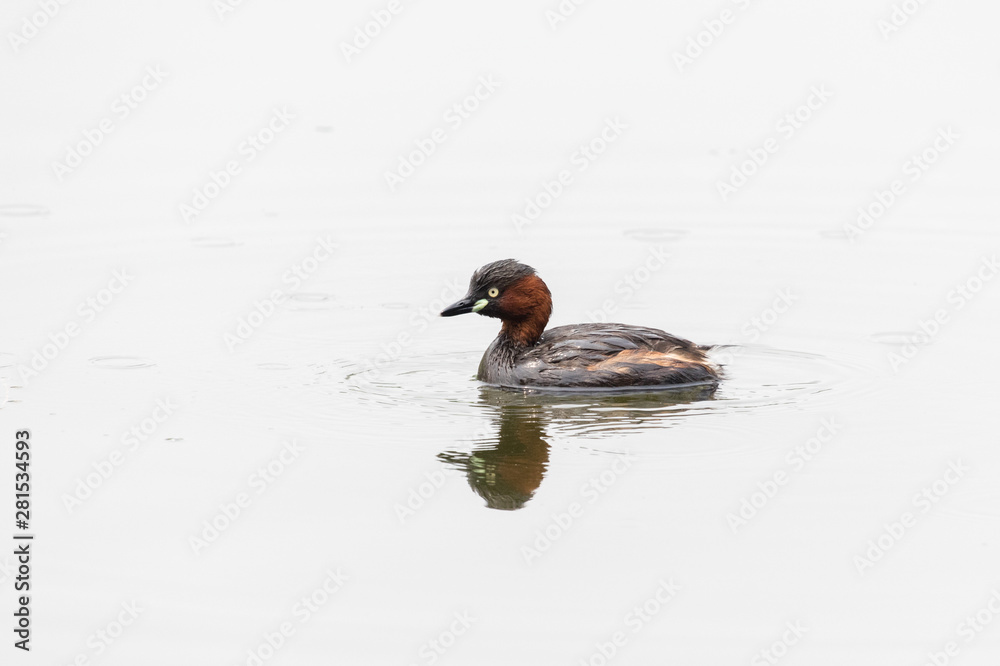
(579, 356)
(596, 356)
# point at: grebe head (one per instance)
(512, 292)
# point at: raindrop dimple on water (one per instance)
(273, 366)
(215, 241)
(892, 337)
(655, 235)
(834, 234)
(23, 210)
(121, 362)
(311, 297)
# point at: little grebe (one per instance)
(525, 355)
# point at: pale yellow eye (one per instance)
(493, 292)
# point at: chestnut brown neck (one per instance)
(527, 305)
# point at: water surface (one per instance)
(261, 408)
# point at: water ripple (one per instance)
(23, 210)
(756, 378)
(121, 362)
(655, 235)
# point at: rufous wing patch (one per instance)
(623, 360)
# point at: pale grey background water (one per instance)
(290, 326)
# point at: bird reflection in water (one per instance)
(508, 470)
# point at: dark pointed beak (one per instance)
(463, 306)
